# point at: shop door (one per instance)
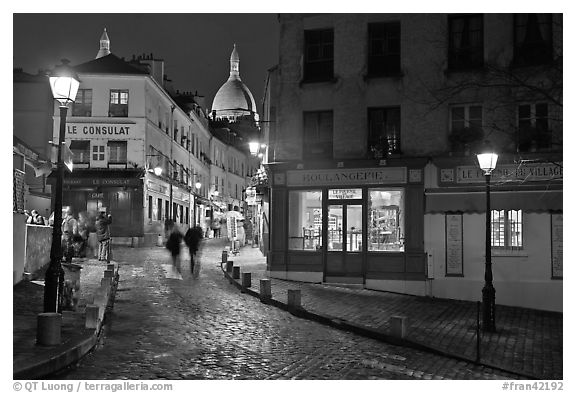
(344, 256)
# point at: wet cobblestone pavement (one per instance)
(201, 327)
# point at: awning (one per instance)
(475, 202)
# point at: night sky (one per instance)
(195, 48)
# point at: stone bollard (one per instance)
(159, 241)
(49, 328)
(246, 280)
(229, 265)
(224, 256)
(110, 266)
(92, 316)
(294, 299)
(265, 289)
(236, 272)
(109, 274)
(100, 299)
(398, 326)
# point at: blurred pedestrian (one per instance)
(69, 230)
(36, 218)
(192, 240)
(103, 222)
(173, 244)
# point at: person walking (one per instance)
(69, 230)
(192, 239)
(103, 222)
(173, 245)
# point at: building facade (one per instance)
(141, 151)
(374, 179)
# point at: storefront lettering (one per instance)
(350, 176)
(512, 172)
(74, 129)
(102, 182)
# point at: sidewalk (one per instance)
(31, 361)
(527, 342)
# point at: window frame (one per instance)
(542, 51)
(384, 142)
(315, 237)
(75, 151)
(508, 226)
(325, 144)
(98, 153)
(118, 109)
(388, 32)
(320, 67)
(464, 57)
(81, 108)
(123, 150)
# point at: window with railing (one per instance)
(384, 131)
(507, 229)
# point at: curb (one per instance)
(70, 352)
(365, 331)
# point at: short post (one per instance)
(49, 328)
(398, 326)
(159, 241)
(246, 280)
(224, 256)
(236, 272)
(110, 266)
(294, 299)
(92, 316)
(229, 265)
(265, 290)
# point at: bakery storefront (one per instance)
(348, 225)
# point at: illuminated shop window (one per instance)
(305, 220)
(507, 229)
(385, 220)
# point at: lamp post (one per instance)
(64, 84)
(487, 162)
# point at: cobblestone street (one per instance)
(167, 326)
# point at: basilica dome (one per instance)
(234, 99)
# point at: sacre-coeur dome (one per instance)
(234, 98)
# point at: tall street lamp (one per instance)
(487, 162)
(64, 84)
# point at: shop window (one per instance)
(81, 151)
(167, 210)
(98, 152)
(305, 220)
(318, 55)
(118, 152)
(466, 42)
(383, 49)
(118, 103)
(506, 228)
(83, 104)
(385, 220)
(532, 39)
(317, 138)
(384, 131)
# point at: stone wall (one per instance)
(38, 244)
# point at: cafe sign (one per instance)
(508, 172)
(329, 177)
(100, 130)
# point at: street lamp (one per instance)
(254, 147)
(64, 84)
(487, 162)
